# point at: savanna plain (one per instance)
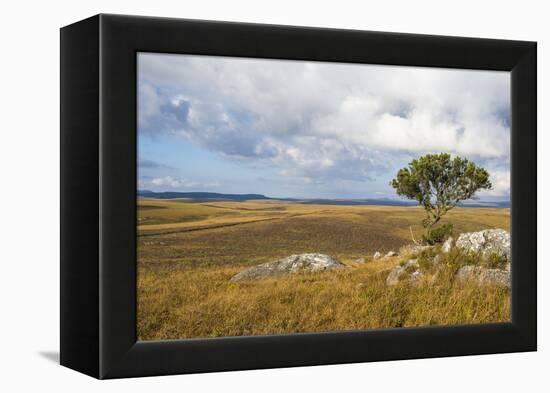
(189, 250)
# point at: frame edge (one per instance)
(79, 258)
(123, 358)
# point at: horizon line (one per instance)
(397, 199)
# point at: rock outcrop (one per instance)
(486, 242)
(409, 270)
(447, 245)
(290, 265)
(484, 276)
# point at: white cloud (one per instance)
(501, 184)
(171, 183)
(323, 121)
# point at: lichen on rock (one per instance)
(486, 242)
(311, 262)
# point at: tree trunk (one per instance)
(429, 227)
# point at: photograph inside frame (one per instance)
(285, 196)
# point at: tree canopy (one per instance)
(438, 183)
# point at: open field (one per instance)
(188, 251)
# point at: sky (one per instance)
(312, 129)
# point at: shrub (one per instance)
(438, 183)
(425, 258)
(457, 258)
(439, 234)
(495, 261)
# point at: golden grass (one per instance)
(183, 277)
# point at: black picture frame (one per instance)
(98, 195)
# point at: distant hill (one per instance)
(199, 195)
(215, 196)
(353, 202)
(392, 202)
(478, 203)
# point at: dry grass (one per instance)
(184, 289)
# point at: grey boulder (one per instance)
(484, 276)
(290, 265)
(447, 245)
(409, 270)
(486, 242)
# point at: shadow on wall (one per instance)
(52, 356)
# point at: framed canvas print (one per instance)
(239, 196)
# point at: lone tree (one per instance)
(438, 183)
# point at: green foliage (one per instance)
(457, 258)
(438, 183)
(495, 261)
(425, 258)
(439, 234)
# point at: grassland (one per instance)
(187, 251)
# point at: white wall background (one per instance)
(29, 194)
